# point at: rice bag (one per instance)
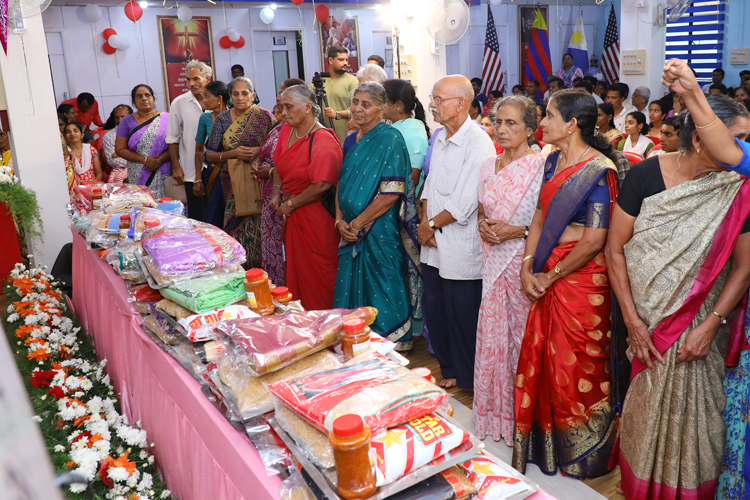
(399, 450)
(162, 329)
(174, 255)
(198, 325)
(382, 392)
(250, 393)
(173, 310)
(313, 443)
(493, 479)
(204, 294)
(451, 484)
(273, 342)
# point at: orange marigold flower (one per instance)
(40, 354)
(94, 438)
(80, 420)
(133, 496)
(122, 461)
(25, 330)
(70, 464)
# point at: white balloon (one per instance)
(184, 13)
(495, 3)
(114, 41)
(339, 15)
(233, 35)
(266, 15)
(124, 44)
(92, 12)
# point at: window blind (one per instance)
(698, 37)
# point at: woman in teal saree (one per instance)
(377, 221)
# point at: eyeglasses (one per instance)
(438, 100)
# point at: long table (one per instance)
(198, 451)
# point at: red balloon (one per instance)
(133, 11)
(225, 42)
(108, 33)
(297, 2)
(108, 49)
(240, 43)
(322, 13)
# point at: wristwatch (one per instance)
(431, 223)
(338, 115)
(526, 233)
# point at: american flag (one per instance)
(492, 74)
(611, 57)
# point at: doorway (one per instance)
(382, 45)
(276, 52)
(57, 65)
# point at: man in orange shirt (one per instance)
(86, 108)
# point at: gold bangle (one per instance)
(336, 225)
(270, 173)
(351, 226)
(709, 125)
(558, 271)
(220, 155)
(289, 203)
(527, 258)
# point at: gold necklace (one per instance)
(671, 179)
(576, 163)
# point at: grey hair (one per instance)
(203, 68)
(372, 73)
(645, 92)
(244, 80)
(302, 94)
(726, 109)
(524, 104)
(374, 90)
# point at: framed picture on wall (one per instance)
(526, 15)
(345, 34)
(180, 42)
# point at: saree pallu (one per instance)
(310, 237)
(250, 130)
(270, 221)
(374, 270)
(149, 139)
(673, 436)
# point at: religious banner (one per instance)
(181, 42)
(345, 34)
(527, 14)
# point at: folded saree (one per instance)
(203, 294)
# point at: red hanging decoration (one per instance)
(108, 33)
(240, 43)
(322, 13)
(108, 49)
(297, 2)
(133, 11)
(225, 42)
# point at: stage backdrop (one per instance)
(181, 42)
(345, 34)
(526, 15)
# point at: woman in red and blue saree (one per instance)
(141, 140)
(564, 415)
(679, 257)
(377, 221)
(238, 134)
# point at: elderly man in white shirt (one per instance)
(184, 114)
(451, 252)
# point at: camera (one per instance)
(317, 79)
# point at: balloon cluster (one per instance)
(231, 38)
(114, 42)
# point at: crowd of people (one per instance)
(582, 291)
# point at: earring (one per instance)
(307, 111)
(698, 150)
(570, 132)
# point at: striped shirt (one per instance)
(453, 185)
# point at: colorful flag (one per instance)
(538, 66)
(578, 47)
(492, 73)
(611, 57)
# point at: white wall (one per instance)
(111, 77)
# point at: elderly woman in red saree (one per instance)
(679, 259)
(564, 415)
(308, 163)
(508, 193)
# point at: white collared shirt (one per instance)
(453, 185)
(619, 119)
(184, 114)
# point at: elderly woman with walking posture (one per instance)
(308, 162)
(679, 261)
(376, 219)
(237, 134)
(564, 414)
(508, 192)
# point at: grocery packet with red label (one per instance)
(398, 451)
(494, 480)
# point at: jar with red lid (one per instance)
(124, 226)
(258, 292)
(350, 440)
(164, 200)
(425, 373)
(282, 295)
(96, 198)
(151, 222)
(355, 338)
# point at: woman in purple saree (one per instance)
(679, 262)
(141, 140)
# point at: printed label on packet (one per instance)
(97, 203)
(124, 234)
(251, 300)
(358, 349)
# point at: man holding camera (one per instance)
(339, 87)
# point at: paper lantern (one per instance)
(339, 15)
(297, 2)
(322, 13)
(184, 13)
(108, 49)
(267, 15)
(225, 42)
(240, 43)
(232, 35)
(133, 11)
(108, 33)
(92, 12)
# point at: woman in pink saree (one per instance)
(508, 193)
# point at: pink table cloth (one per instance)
(198, 451)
